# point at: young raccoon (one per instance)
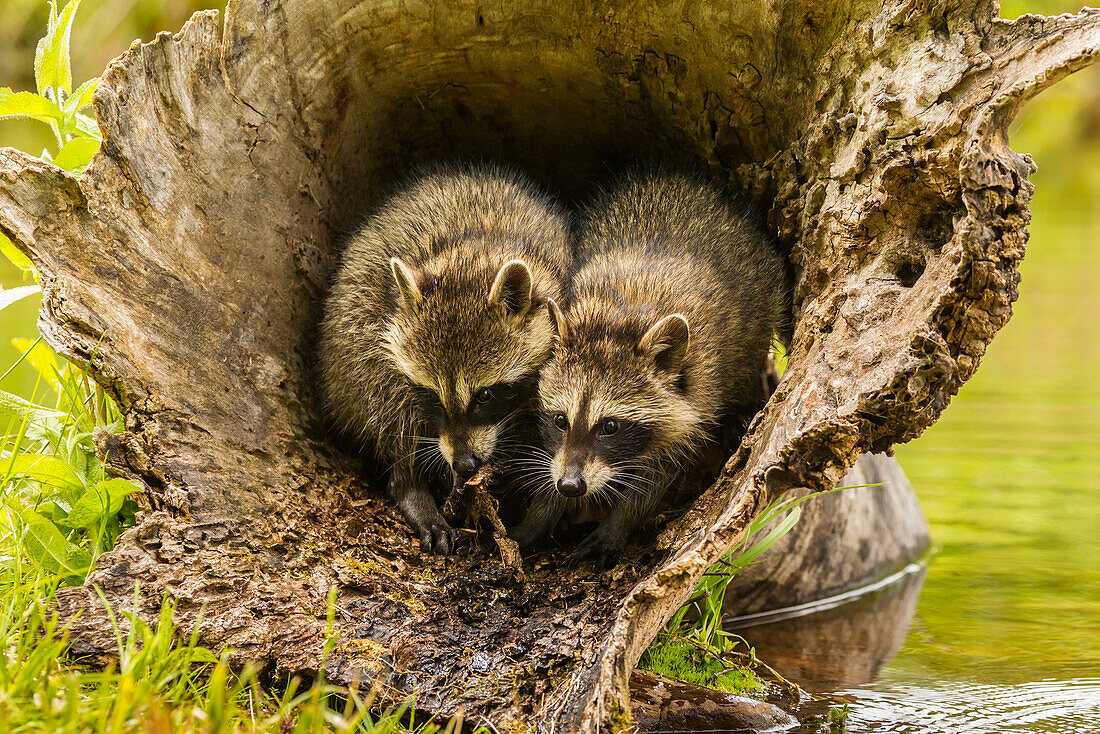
(436, 327)
(673, 306)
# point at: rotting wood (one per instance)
(192, 255)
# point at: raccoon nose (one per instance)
(572, 486)
(467, 466)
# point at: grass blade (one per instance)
(14, 295)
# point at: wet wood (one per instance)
(659, 704)
(191, 258)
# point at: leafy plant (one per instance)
(62, 508)
(838, 719)
(57, 105)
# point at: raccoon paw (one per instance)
(525, 537)
(438, 538)
(605, 552)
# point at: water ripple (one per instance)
(1056, 706)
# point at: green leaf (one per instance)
(15, 255)
(15, 406)
(75, 155)
(94, 473)
(28, 104)
(87, 127)
(49, 550)
(12, 295)
(101, 501)
(79, 561)
(46, 469)
(81, 97)
(52, 65)
(51, 511)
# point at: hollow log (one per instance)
(188, 262)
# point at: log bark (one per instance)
(188, 262)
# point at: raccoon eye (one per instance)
(483, 396)
(609, 426)
(561, 421)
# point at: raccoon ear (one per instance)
(407, 290)
(666, 342)
(557, 319)
(512, 287)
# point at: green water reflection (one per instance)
(1009, 476)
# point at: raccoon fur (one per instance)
(436, 327)
(673, 306)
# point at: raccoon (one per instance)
(674, 303)
(436, 327)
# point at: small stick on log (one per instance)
(479, 504)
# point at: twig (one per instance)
(481, 506)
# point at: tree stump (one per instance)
(192, 255)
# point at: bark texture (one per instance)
(191, 257)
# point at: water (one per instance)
(1004, 633)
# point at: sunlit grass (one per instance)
(161, 683)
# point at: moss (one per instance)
(621, 720)
(364, 652)
(686, 662)
(355, 565)
(414, 603)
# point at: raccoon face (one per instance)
(612, 404)
(471, 339)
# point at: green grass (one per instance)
(683, 660)
(693, 646)
(161, 684)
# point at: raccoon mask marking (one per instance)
(471, 346)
